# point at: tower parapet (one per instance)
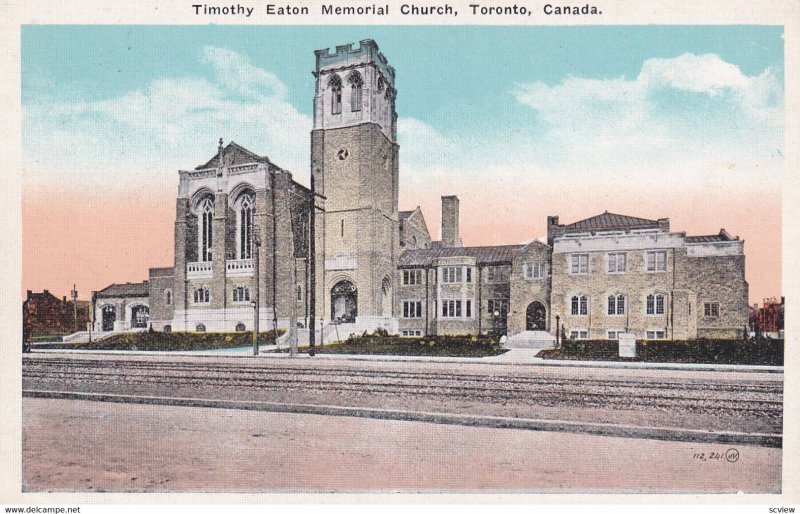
(355, 86)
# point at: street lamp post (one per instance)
(256, 245)
(558, 319)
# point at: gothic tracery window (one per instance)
(206, 232)
(356, 87)
(335, 84)
(245, 224)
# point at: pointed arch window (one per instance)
(335, 84)
(206, 232)
(356, 87)
(245, 223)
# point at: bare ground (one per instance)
(83, 446)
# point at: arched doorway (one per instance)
(344, 302)
(140, 315)
(109, 317)
(536, 316)
(386, 298)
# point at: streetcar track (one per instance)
(438, 386)
(128, 366)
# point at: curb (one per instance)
(601, 429)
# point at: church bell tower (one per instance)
(354, 165)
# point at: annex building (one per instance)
(239, 216)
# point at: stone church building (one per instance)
(239, 216)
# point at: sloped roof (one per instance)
(482, 254)
(610, 221)
(404, 215)
(124, 290)
(234, 156)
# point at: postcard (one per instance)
(440, 249)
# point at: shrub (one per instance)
(720, 351)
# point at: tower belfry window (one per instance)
(356, 87)
(335, 84)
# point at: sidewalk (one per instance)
(513, 357)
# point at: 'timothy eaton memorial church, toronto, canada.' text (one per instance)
(377, 267)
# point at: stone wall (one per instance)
(161, 285)
(635, 284)
(525, 291)
(720, 280)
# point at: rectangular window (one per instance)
(469, 308)
(451, 274)
(616, 262)
(452, 308)
(579, 264)
(534, 270)
(656, 334)
(657, 261)
(497, 308)
(412, 309)
(469, 274)
(412, 333)
(655, 304)
(412, 277)
(496, 274)
(616, 305)
(580, 306)
(711, 309)
(613, 335)
(579, 334)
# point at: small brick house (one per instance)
(44, 314)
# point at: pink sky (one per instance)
(93, 238)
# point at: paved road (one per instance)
(86, 446)
(662, 404)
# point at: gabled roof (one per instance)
(234, 156)
(482, 254)
(124, 290)
(610, 221)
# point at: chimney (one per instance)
(663, 225)
(450, 235)
(552, 229)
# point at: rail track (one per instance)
(447, 384)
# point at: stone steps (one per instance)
(537, 339)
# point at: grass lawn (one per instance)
(765, 352)
(434, 346)
(171, 341)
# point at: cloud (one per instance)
(235, 72)
(678, 109)
(171, 123)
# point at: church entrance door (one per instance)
(109, 317)
(344, 302)
(535, 317)
(140, 314)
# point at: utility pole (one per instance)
(311, 294)
(256, 245)
(274, 263)
(74, 294)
